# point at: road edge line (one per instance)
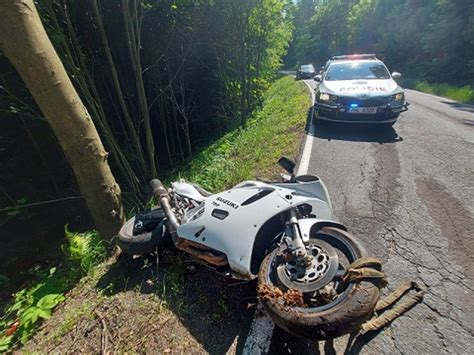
(260, 333)
(261, 329)
(303, 164)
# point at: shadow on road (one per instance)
(460, 106)
(356, 132)
(465, 108)
(284, 343)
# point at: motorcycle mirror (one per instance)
(287, 164)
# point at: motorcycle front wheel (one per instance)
(346, 312)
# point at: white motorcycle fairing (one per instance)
(187, 190)
(230, 221)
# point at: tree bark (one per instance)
(26, 44)
(132, 31)
(117, 86)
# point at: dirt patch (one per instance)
(139, 305)
(450, 216)
(291, 298)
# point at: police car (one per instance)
(358, 89)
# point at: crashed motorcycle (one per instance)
(281, 232)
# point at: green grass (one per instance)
(245, 153)
(462, 94)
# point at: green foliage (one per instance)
(155, 74)
(427, 40)
(204, 66)
(83, 252)
(85, 249)
(249, 39)
(254, 150)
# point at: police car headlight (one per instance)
(324, 97)
(399, 97)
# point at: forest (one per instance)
(431, 40)
(159, 78)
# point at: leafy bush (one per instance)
(83, 251)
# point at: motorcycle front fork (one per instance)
(294, 242)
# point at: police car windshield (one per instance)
(357, 70)
(307, 68)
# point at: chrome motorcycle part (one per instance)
(161, 195)
(296, 245)
(299, 274)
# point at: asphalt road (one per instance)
(407, 193)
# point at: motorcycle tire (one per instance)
(144, 243)
(346, 316)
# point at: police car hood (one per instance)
(365, 88)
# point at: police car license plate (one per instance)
(363, 110)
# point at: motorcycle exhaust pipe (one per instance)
(161, 195)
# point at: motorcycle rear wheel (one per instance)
(145, 243)
(344, 315)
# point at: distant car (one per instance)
(358, 89)
(305, 72)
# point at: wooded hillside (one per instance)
(160, 78)
(425, 39)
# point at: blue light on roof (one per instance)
(354, 105)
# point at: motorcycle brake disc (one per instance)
(319, 273)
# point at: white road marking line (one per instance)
(260, 333)
(261, 330)
(308, 144)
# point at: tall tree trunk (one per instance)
(132, 30)
(117, 86)
(25, 43)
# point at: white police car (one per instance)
(358, 89)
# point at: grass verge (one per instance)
(462, 94)
(242, 154)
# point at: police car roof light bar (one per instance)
(354, 57)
